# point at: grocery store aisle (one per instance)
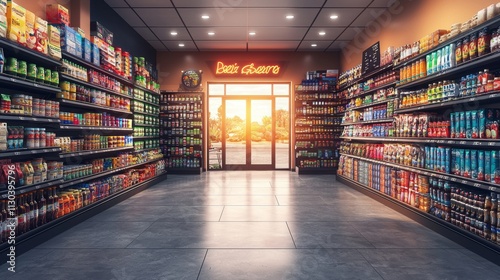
(250, 225)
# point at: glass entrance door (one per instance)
(249, 133)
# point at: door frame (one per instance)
(248, 134)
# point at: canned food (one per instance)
(12, 65)
(22, 69)
(55, 78)
(40, 74)
(31, 71)
(48, 76)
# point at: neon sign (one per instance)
(250, 69)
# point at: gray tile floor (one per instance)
(250, 225)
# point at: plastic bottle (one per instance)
(438, 61)
(452, 58)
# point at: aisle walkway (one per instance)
(250, 225)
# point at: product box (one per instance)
(462, 124)
(473, 164)
(78, 44)
(54, 36)
(480, 165)
(436, 35)
(467, 165)
(96, 57)
(67, 38)
(41, 35)
(57, 14)
(468, 124)
(474, 124)
(481, 118)
(30, 30)
(487, 166)
(495, 164)
(16, 23)
(492, 119)
(96, 29)
(87, 50)
(3, 18)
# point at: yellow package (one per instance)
(55, 52)
(41, 35)
(30, 30)
(16, 23)
(3, 18)
(54, 36)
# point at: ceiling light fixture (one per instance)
(314, 45)
(173, 33)
(205, 17)
(251, 33)
(322, 33)
(289, 16)
(181, 45)
(211, 33)
(334, 17)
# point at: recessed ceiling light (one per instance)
(334, 17)
(205, 17)
(211, 33)
(173, 33)
(251, 33)
(181, 45)
(289, 16)
(314, 45)
(322, 33)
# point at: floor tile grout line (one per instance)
(382, 277)
(202, 263)
(140, 234)
(360, 233)
(222, 212)
(277, 200)
(293, 240)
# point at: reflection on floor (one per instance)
(250, 225)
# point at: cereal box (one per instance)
(57, 14)
(30, 30)
(3, 18)
(87, 50)
(54, 46)
(42, 39)
(16, 23)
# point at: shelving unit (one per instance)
(353, 166)
(317, 131)
(15, 85)
(148, 123)
(182, 145)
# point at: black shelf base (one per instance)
(316, 171)
(35, 237)
(185, 171)
(466, 239)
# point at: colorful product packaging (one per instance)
(480, 165)
(487, 166)
(78, 44)
(494, 165)
(96, 56)
(474, 124)
(57, 14)
(54, 42)
(16, 23)
(481, 115)
(42, 39)
(462, 125)
(473, 164)
(468, 124)
(3, 18)
(87, 50)
(30, 30)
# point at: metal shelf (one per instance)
(145, 137)
(82, 104)
(372, 104)
(146, 125)
(372, 90)
(29, 152)
(94, 152)
(26, 85)
(146, 114)
(479, 62)
(98, 128)
(25, 189)
(494, 21)
(87, 64)
(146, 90)
(73, 182)
(146, 150)
(147, 102)
(88, 84)
(485, 98)
(30, 55)
(24, 118)
(369, 122)
(443, 176)
(477, 143)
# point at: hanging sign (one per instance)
(250, 69)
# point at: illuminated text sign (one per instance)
(250, 69)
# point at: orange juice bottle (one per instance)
(423, 68)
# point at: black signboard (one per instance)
(371, 59)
